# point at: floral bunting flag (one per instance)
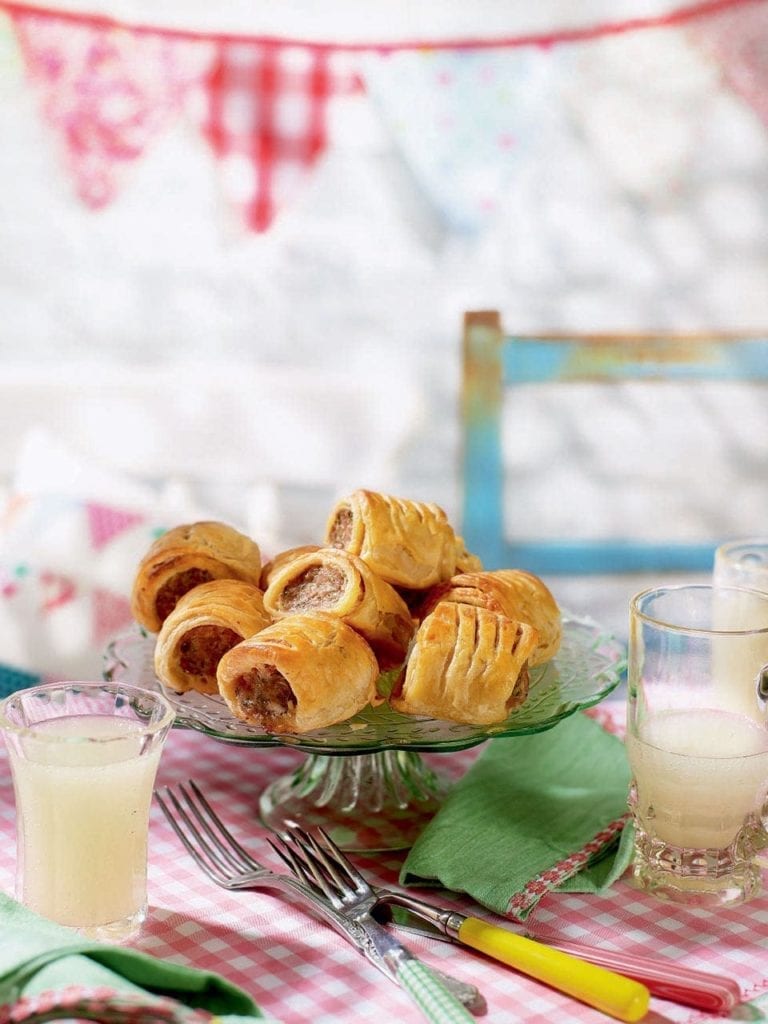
(266, 119)
(462, 120)
(738, 41)
(107, 92)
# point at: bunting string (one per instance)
(108, 88)
(676, 17)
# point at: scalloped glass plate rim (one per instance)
(557, 690)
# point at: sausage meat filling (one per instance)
(202, 648)
(340, 533)
(265, 695)
(176, 587)
(320, 586)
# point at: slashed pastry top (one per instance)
(467, 664)
(512, 592)
(407, 543)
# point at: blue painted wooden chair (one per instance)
(496, 364)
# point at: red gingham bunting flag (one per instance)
(107, 92)
(266, 118)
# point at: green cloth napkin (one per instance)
(37, 956)
(526, 805)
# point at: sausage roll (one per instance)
(282, 559)
(338, 582)
(206, 622)
(467, 665)
(301, 673)
(185, 557)
(518, 595)
(407, 543)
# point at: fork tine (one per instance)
(304, 870)
(246, 862)
(343, 862)
(328, 873)
(199, 849)
(306, 867)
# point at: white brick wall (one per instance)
(645, 207)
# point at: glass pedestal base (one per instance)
(366, 802)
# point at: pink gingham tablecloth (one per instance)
(298, 970)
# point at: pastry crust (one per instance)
(407, 543)
(271, 568)
(183, 558)
(467, 665)
(206, 622)
(465, 560)
(301, 673)
(341, 584)
(512, 592)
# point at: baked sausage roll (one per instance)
(301, 673)
(206, 622)
(518, 595)
(282, 559)
(407, 543)
(183, 558)
(338, 582)
(467, 665)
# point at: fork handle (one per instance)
(430, 995)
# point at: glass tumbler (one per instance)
(698, 754)
(742, 563)
(84, 758)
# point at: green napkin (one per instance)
(527, 804)
(37, 956)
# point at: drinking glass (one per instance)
(699, 759)
(742, 563)
(84, 758)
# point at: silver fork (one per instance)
(227, 863)
(309, 858)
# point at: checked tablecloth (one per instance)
(298, 970)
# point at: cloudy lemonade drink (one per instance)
(84, 757)
(697, 742)
(699, 773)
(84, 827)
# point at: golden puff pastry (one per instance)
(338, 582)
(407, 543)
(183, 558)
(206, 622)
(467, 665)
(301, 673)
(465, 560)
(512, 592)
(282, 559)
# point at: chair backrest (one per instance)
(680, 423)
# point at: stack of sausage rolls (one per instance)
(299, 643)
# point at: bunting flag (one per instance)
(111, 615)
(461, 112)
(737, 39)
(107, 92)
(266, 119)
(477, 114)
(105, 523)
